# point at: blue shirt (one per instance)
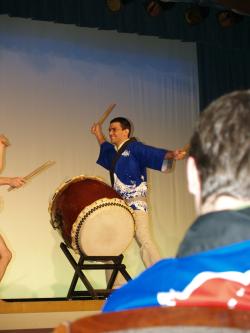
(130, 174)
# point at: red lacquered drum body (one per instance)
(91, 217)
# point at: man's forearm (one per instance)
(178, 154)
(100, 138)
(169, 155)
(97, 131)
(1, 156)
(5, 180)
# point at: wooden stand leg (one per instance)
(80, 267)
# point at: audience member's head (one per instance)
(219, 164)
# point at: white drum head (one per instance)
(105, 228)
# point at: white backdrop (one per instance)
(55, 80)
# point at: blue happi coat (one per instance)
(130, 176)
(219, 277)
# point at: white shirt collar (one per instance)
(117, 148)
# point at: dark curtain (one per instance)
(221, 70)
(133, 18)
(222, 53)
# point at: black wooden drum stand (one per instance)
(80, 267)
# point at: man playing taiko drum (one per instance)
(127, 160)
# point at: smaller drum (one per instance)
(91, 217)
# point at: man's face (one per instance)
(116, 134)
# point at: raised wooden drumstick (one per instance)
(39, 169)
(106, 114)
(35, 172)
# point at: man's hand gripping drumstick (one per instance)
(178, 154)
(35, 172)
(175, 155)
(96, 128)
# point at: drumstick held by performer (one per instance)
(127, 160)
(5, 253)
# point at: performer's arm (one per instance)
(107, 150)
(2, 147)
(178, 154)
(157, 158)
(96, 129)
(4, 142)
(12, 181)
(170, 157)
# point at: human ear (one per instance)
(194, 183)
(193, 177)
(126, 131)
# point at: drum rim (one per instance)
(64, 185)
(87, 211)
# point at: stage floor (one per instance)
(39, 314)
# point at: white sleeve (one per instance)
(167, 165)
